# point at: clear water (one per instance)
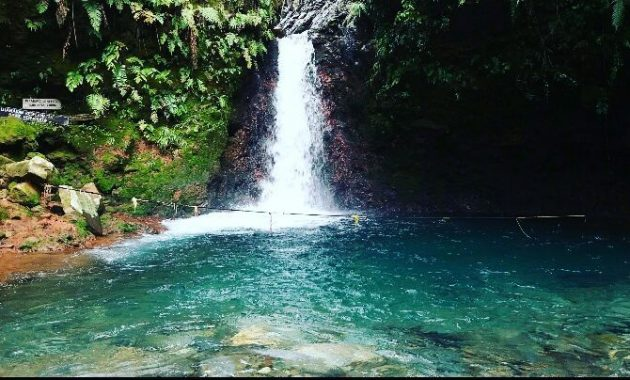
(388, 297)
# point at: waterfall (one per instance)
(295, 177)
(295, 181)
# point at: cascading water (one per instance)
(295, 183)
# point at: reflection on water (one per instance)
(389, 297)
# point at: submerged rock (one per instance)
(37, 167)
(220, 366)
(258, 335)
(338, 354)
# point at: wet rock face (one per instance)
(313, 15)
(342, 61)
(340, 57)
(243, 164)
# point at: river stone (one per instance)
(337, 355)
(76, 204)
(37, 167)
(220, 366)
(259, 335)
(264, 334)
(24, 193)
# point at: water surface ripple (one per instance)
(389, 297)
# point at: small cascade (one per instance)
(295, 182)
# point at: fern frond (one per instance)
(95, 15)
(618, 13)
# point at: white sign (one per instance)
(41, 104)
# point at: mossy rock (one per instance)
(24, 193)
(5, 160)
(30, 155)
(62, 156)
(14, 131)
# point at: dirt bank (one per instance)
(45, 242)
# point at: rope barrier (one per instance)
(134, 201)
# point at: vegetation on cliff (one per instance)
(531, 92)
(157, 76)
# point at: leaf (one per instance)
(73, 80)
(95, 15)
(98, 104)
(93, 79)
(211, 15)
(42, 6)
(618, 13)
(33, 26)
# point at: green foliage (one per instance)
(458, 55)
(127, 228)
(618, 13)
(14, 130)
(4, 214)
(82, 228)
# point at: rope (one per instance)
(48, 193)
(522, 230)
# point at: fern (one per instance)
(97, 103)
(355, 10)
(73, 80)
(95, 15)
(211, 15)
(618, 13)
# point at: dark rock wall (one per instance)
(243, 164)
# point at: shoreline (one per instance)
(16, 265)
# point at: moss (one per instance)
(4, 214)
(127, 228)
(30, 155)
(5, 160)
(106, 182)
(111, 131)
(24, 194)
(62, 156)
(74, 174)
(14, 130)
(28, 244)
(82, 228)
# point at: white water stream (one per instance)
(295, 183)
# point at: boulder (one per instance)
(24, 193)
(77, 204)
(37, 167)
(94, 194)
